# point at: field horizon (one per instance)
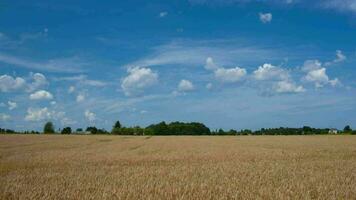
(177, 167)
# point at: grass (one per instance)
(177, 167)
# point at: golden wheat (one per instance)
(177, 167)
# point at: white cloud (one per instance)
(53, 103)
(340, 57)
(265, 17)
(320, 78)
(163, 14)
(11, 105)
(80, 98)
(39, 80)
(38, 114)
(4, 117)
(41, 114)
(210, 65)
(41, 95)
(310, 65)
(185, 86)
(9, 83)
(286, 86)
(71, 89)
(230, 75)
(270, 72)
(138, 79)
(90, 116)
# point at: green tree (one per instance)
(66, 130)
(92, 129)
(347, 129)
(117, 124)
(117, 128)
(48, 128)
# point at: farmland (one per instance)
(177, 167)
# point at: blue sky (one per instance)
(227, 63)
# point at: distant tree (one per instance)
(92, 129)
(307, 130)
(117, 124)
(66, 130)
(221, 132)
(117, 128)
(48, 128)
(79, 130)
(347, 129)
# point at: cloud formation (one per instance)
(41, 95)
(230, 75)
(90, 116)
(11, 105)
(286, 86)
(185, 86)
(38, 114)
(265, 17)
(270, 72)
(9, 83)
(139, 78)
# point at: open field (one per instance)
(177, 167)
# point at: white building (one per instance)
(333, 131)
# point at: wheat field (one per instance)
(177, 167)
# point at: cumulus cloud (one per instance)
(270, 72)
(80, 98)
(227, 75)
(276, 80)
(286, 86)
(90, 116)
(139, 78)
(230, 75)
(9, 83)
(11, 105)
(41, 95)
(320, 78)
(210, 65)
(310, 65)
(38, 80)
(316, 73)
(185, 86)
(4, 117)
(71, 89)
(41, 114)
(38, 114)
(265, 17)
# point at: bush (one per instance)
(66, 130)
(48, 128)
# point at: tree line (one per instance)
(182, 128)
